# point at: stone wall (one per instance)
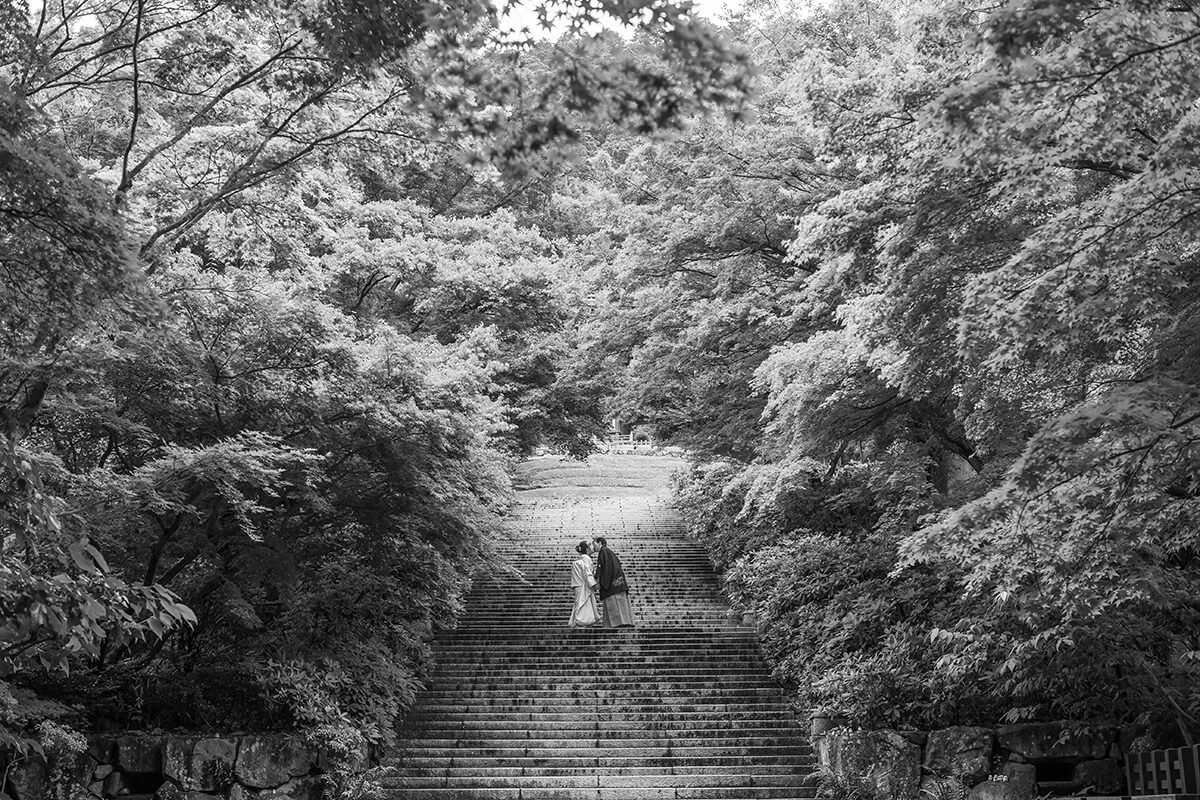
(1013, 762)
(148, 767)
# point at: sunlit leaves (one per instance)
(66, 262)
(1002, 270)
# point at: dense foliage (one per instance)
(930, 316)
(275, 321)
(290, 284)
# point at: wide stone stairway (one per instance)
(521, 706)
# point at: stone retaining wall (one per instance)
(1013, 762)
(147, 767)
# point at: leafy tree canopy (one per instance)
(277, 317)
(964, 236)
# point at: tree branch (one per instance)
(126, 178)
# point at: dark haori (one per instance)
(614, 589)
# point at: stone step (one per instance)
(556, 614)
(587, 640)
(518, 705)
(660, 581)
(693, 577)
(597, 639)
(529, 628)
(591, 694)
(618, 677)
(598, 675)
(646, 580)
(590, 657)
(649, 572)
(470, 661)
(647, 634)
(590, 767)
(553, 637)
(748, 632)
(612, 728)
(780, 765)
(702, 719)
(661, 565)
(595, 781)
(617, 793)
(607, 764)
(691, 612)
(507, 741)
(595, 748)
(784, 719)
(650, 675)
(595, 659)
(550, 592)
(714, 709)
(528, 592)
(449, 739)
(600, 708)
(596, 666)
(511, 636)
(582, 648)
(484, 685)
(583, 644)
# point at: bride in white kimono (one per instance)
(583, 580)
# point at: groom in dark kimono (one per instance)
(614, 590)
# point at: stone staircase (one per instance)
(521, 706)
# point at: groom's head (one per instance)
(599, 542)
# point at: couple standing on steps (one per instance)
(609, 577)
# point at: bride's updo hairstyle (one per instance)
(582, 548)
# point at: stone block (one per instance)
(177, 759)
(883, 763)
(1023, 776)
(28, 779)
(820, 724)
(115, 785)
(102, 771)
(199, 765)
(71, 791)
(311, 788)
(936, 788)
(267, 761)
(1043, 741)
(1104, 776)
(169, 790)
(997, 790)
(102, 748)
(960, 752)
(139, 753)
(824, 750)
(71, 771)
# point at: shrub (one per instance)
(815, 556)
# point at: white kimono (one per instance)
(582, 580)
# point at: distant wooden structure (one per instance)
(621, 432)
